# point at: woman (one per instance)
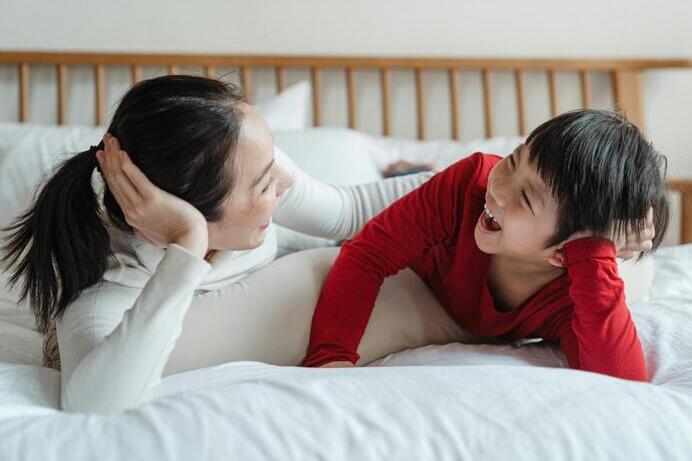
(193, 183)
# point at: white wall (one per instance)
(502, 28)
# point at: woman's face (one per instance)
(259, 182)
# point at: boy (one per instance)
(517, 247)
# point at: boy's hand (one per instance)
(627, 247)
(340, 364)
(626, 243)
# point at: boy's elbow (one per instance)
(636, 375)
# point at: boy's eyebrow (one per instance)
(533, 190)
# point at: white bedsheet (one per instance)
(457, 402)
(253, 411)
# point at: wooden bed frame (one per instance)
(626, 78)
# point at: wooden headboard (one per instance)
(625, 76)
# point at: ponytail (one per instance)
(60, 246)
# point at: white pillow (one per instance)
(638, 278)
(29, 154)
(332, 155)
(247, 321)
(289, 110)
(441, 152)
(335, 156)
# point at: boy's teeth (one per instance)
(491, 223)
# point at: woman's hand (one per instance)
(627, 244)
(401, 167)
(339, 364)
(156, 215)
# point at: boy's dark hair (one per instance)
(603, 173)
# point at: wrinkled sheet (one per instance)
(457, 401)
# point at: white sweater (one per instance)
(116, 337)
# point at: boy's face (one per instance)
(524, 212)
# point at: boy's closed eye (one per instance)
(515, 161)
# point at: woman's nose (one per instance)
(284, 181)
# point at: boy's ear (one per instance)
(556, 257)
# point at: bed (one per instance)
(446, 401)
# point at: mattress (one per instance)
(456, 401)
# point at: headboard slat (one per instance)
(23, 92)
(351, 97)
(246, 79)
(280, 79)
(627, 92)
(521, 100)
(420, 102)
(487, 103)
(100, 86)
(684, 187)
(384, 90)
(316, 85)
(61, 75)
(552, 91)
(454, 103)
(136, 74)
(585, 84)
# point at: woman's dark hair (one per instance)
(179, 130)
(603, 173)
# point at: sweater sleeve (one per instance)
(336, 212)
(115, 341)
(425, 217)
(600, 335)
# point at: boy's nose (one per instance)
(496, 193)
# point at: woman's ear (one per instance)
(556, 257)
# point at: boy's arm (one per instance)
(428, 215)
(600, 335)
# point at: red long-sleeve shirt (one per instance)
(431, 230)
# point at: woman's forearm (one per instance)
(112, 363)
(337, 212)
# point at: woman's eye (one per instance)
(266, 188)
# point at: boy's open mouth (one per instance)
(488, 220)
